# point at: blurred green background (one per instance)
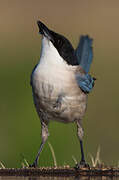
(20, 51)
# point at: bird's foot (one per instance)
(34, 165)
(82, 164)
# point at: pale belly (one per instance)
(59, 102)
(57, 95)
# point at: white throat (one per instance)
(49, 54)
(52, 69)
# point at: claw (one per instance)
(82, 164)
(34, 165)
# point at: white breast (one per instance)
(51, 69)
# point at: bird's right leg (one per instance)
(45, 134)
(80, 134)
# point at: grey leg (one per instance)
(44, 129)
(80, 133)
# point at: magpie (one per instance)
(61, 83)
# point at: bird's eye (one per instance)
(59, 42)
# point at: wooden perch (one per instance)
(59, 171)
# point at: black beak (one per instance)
(44, 30)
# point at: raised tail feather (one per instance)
(84, 52)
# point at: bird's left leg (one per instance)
(80, 134)
(45, 134)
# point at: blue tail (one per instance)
(84, 53)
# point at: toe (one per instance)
(34, 165)
(82, 164)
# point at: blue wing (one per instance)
(84, 53)
(85, 82)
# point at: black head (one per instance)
(62, 44)
(44, 30)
